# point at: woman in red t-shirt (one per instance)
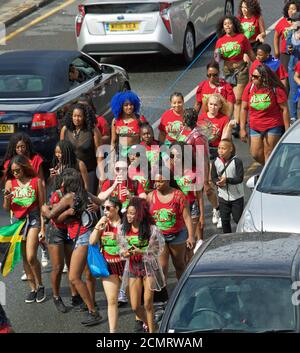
(24, 196)
(171, 122)
(125, 129)
(141, 244)
(281, 31)
(106, 232)
(216, 125)
(21, 145)
(170, 210)
(252, 22)
(265, 100)
(70, 210)
(231, 47)
(214, 84)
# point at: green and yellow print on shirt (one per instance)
(248, 29)
(230, 49)
(184, 184)
(260, 101)
(164, 218)
(24, 196)
(139, 243)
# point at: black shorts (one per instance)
(57, 236)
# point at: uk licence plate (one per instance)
(7, 128)
(125, 26)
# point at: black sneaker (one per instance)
(83, 307)
(138, 326)
(40, 294)
(31, 297)
(92, 319)
(76, 300)
(60, 306)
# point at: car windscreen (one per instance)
(282, 174)
(122, 8)
(21, 85)
(233, 303)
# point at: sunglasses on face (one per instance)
(255, 76)
(212, 75)
(16, 171)
(175, 156)
(118, 169)
(106, 208)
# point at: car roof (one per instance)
(266, 253)
(293, 134)
(51, 64)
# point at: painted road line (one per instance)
(35, 21)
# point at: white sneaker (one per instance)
(24, 277)
(216, 216)
(45, 258)
(219, 224)
(197, 246)
(65, 269)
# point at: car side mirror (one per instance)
(252, 181)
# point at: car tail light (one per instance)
(43, 121)
(79, 19)
(164, 14)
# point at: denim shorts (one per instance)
(276, 131)
(83, 239)
(176, 238)
(57, 236)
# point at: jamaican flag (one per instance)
(10, 246)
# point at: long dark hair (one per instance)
(117, 203)
(190, 117)
(73, 183)
(89, 117)
(253, 6)
(237, 27)
(11, 148)
(68, 156)
(143, 218)
(24, 163)
(269, 78)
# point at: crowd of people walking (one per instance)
(141, 200)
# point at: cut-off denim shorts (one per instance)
(83, 239)
(176, 238)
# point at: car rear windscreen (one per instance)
(122, 8)
(20, 85)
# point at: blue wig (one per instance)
(120, 98)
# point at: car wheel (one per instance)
(229, 9)
(188, 45)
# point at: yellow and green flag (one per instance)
(10, 246)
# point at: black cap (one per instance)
(295, 17)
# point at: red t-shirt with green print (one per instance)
(186, 183)
(25, 198)
(233, 48)
(282, 28)
(168, 216)
(204, 90)
(171, 124)
(250, 27)
(263, 106)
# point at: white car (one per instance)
(275, 200)
(117, 27)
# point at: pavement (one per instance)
(12, 11)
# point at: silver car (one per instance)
(114, 27)
(275, 200)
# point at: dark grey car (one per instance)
(242, 282)
(35, 92)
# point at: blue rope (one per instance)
(190, 65)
